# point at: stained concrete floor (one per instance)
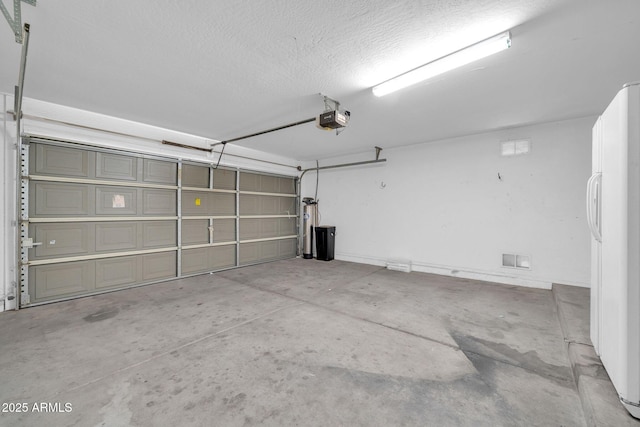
(293, 343)
(600, 401)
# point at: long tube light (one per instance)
(446, 63)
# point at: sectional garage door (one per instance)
(96, 220)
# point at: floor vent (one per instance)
(516, 261)
(399, 265)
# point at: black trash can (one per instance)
(325, 242)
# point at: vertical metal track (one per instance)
(237, 217)
(179, 210)
(211, 229)
(298, 219)
(19, 173)
(22, 293)
(5, 148)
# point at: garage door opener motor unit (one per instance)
(335, 119)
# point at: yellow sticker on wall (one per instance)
(197, 202)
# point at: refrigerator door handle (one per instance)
(597, 209)
(593, 205)
(588, 203)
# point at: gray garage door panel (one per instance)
(56, 281)
(118, 236)
(287, 248)
(253, 204)
(288, 226)
(224, 230)
(249, 229)
(222, 256)
(195, 203)
(208, 259)
(224, 179)
(116, 272)
(261, 205)
(61, 199)
(195, 260)
(208, 203)
(223, 203)
(195, 176)
(288, 204)
(54, 160)
(157, 234)
(89, 238)
(287, 185)
(195, 231)
(159, 266)
(249, 181)
(61, 280)
(159, 172)
(260, 228)
(114, 201)
(116, 166)
(61, 239)
(266, 183)
(158, 202)
(60, 161)
(57, 199)
(251, 253)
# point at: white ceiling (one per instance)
(225, 68)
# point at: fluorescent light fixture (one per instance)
(446, 63)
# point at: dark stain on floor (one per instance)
(478, 350)
(100, 315)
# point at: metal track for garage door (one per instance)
(95, 220)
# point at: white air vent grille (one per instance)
(399, 265)
(515, 148)
(516, 261)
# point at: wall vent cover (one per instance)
(516, 261)
(515, 148)
(399, 265)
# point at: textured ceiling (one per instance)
(226, 68)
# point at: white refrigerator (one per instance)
(613, 214)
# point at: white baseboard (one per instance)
(361, 259)
(7, 305)
(464, 273)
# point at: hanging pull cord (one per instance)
(224, 144)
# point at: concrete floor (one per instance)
(599, 398)
(295, 342)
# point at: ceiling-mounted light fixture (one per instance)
(446, 63)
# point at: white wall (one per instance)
(441, 205)
(55, 121)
